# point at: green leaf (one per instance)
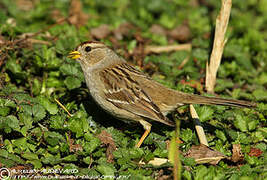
(36, 86)
(50, 107)
(13, 122)
(26, 120)
(4, 111)
(70, 158)
(222, 84)
(76, 126)
(68, 69)
(138, 153)
(51, 159)
(8, 123)
(72, 82)
(13, 66)
(186, 175)
(38, 112)
(205, 113)
(11, 156)
(87, 160)
(253, 124)
(7, 103)
(54, 82)
(241, 123)
(8, 146)
(262, 79)
(29, 156)
(201, 172)
(189, 161)
(167, 21)
(106, 169)
(7, 162)
(53, 149)
(21, 143)
(157, 139)
(163, 153)
(56, 122)
(260, 94)
(53, 138)
(220, 135)
(27, 109)
(89, 147)
(36, 163)
(200, 54)
(186, 135)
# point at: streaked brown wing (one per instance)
(126, 93)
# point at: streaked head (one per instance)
(90, 52)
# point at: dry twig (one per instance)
(218, 45)
(160, 49)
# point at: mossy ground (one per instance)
(36, 133)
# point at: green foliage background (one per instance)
(35, 130)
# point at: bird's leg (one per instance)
(147, 127)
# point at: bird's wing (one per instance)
(123, 91)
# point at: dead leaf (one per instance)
(206, 35)
(255, 152)
(56, 15)
(2, 40)
(74, 147)
(181, 33)
(25, 5)
(76, 15)
(139, 38)
(115, 42)
(138, 52)
(202, 154)
(194, 84)
(123, 30)
(195, 3)
(101, 31)
(1, 138)
(157, 29)
(107, 140)
(162, 176)
(12, 22)
(237, 154)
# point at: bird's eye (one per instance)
(87, 48)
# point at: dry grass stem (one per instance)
(63, 107)
(160, 49)
(218, 45)
(200, 131)
(37, 41)
(155, 162)
(184, 62)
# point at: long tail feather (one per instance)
(196, 99)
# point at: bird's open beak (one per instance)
(74, 55)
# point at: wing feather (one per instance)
(124, 92)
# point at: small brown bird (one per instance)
(129, 94)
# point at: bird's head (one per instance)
(90, 53)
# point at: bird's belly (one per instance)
(97, 92)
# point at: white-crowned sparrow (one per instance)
(129, 94)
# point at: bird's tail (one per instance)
(196, 99)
